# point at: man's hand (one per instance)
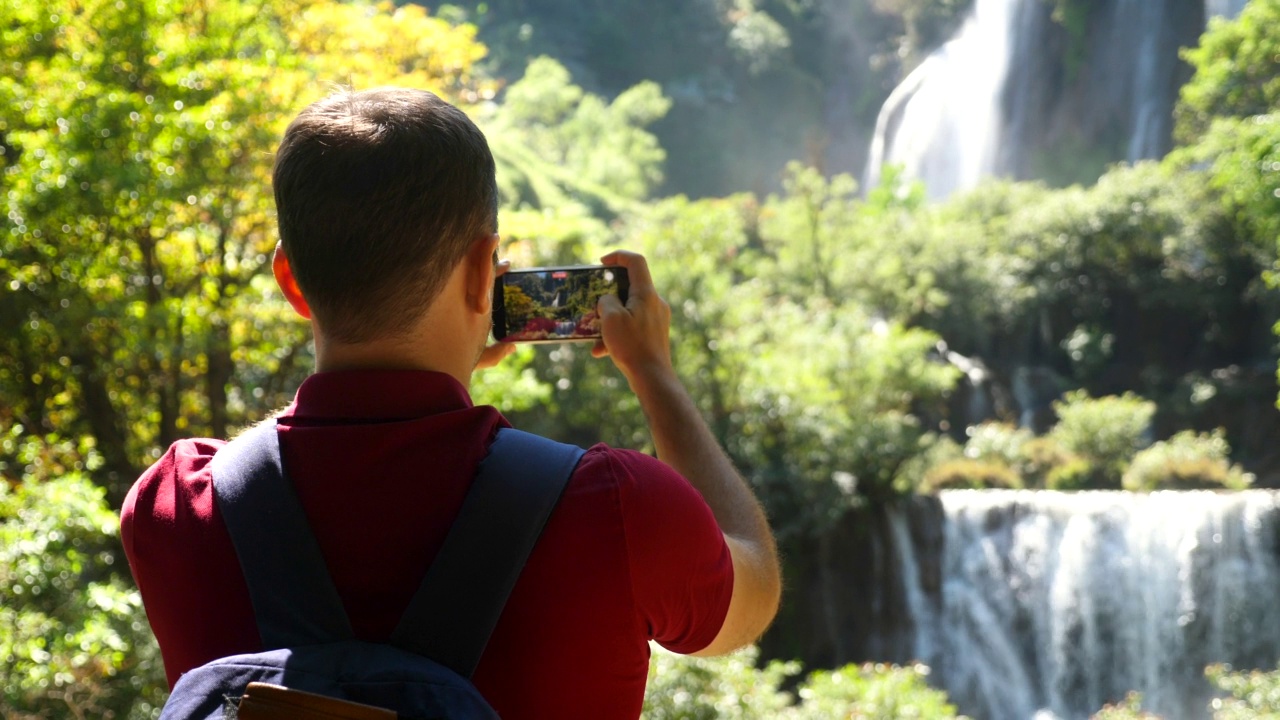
(495, 353)
(635, 335)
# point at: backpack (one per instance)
(424, 672)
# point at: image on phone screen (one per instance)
(553, 304)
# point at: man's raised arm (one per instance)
(637, 337)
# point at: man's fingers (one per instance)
(599, 350)
(609, 304)
(494, 354)
(637, 270)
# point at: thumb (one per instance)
(610, 305)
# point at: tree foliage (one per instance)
(559, 144)
(1237, 70)
(839, 342)
(136, 157)
(1228, 118)
(73, 639)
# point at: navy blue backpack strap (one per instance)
(294, 598)
(454, 612)
(456, 608)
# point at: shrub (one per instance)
(970, 475)
(732, 687)
(1186, 461)
(1039, 458)
(872, 692)
(1253, 694)
(998, 442)
(936, 450)
(74, 641)
(1129, 709)
(1105, 432)
(1077, 474)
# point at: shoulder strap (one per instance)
(454, 612)
(294, 600)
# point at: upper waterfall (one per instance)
(943, 123)
(1016, 94)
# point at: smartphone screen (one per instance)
(553, 304)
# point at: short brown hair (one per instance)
(379, 194)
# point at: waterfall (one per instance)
(1016, 94)
(942, 124)
(1053, 604)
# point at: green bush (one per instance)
(1077, 474)
(1105, 432)
(1253, 694)
(970, 475)
(999, 442)
(74, 641)
(1129, 709)
(1039, 458)
(1186, 461)
(732, 687)
(935, 450)
(872, 692)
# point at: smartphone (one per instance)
(556, 304)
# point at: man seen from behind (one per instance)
(387, 208)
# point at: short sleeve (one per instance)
(184, 563)
(681, 570)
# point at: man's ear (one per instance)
(481, 265)
(288, 284)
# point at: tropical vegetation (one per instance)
(847, 345)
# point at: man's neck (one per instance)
(408, 353)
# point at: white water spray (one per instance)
(1054, 604)
(942, 124)
(1003, 98)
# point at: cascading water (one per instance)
(942, 124)
(1053, 604)
(1017, 94)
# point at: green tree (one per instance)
(557, 143)
(816, 436)
(136, 156)
(1237, 70)
(1228, 118)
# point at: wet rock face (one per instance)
(1040, 602)
(846, 594)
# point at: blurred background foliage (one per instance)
(847, 345)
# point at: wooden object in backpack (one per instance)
(263, 701)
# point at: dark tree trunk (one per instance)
(217, 377)
(107, 427)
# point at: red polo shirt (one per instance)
(381, 461)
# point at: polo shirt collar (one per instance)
(378, 395)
